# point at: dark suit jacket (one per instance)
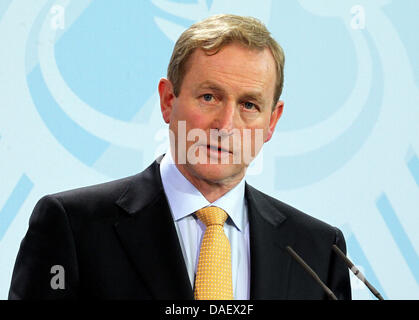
(118, 241)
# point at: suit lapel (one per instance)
(148, 234)
(269, 235)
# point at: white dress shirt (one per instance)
(184, 199)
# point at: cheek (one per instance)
(259, 135)
(262, 127)
(250, 137)
(187, 111)
(196, 120)
(266, 129)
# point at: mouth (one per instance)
(217, 149)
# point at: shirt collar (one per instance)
(184, 199)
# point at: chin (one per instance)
(217, 172)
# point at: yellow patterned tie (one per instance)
(213, 277)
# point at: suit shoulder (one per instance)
(282, 211)
(109, 191)
(90, 201)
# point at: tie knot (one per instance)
(212, 216)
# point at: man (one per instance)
(150, 236)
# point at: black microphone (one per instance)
(356, 272)
(311, 272)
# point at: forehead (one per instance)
(234, 66)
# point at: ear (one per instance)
(166, 98)
(275, 115)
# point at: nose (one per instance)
(224, 120)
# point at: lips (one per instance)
(218, 148)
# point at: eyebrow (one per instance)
(255, 96)
(211, 85)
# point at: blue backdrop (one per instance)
(79, 106)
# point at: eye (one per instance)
(249, 105)
(207, 97)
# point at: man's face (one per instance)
(227, 93)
